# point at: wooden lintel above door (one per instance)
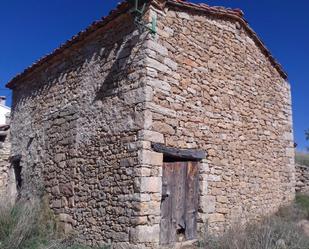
(188, 154)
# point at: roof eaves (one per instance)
(120, 9)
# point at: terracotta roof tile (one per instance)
(124, 6)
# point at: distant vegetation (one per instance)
(302, 158)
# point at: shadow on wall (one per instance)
(56, 88)
(14, 179)
(118, 74)
(77, 62)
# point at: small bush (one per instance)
(302, 200)
(302, 158)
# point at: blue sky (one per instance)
(32, 28)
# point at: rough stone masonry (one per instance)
(85, 119)
(7, 179)
(302, 178)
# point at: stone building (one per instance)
(154, 126)
(7, 180)
(302, 178)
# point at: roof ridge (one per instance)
(236, 11)
(123, 7)
(238, 15)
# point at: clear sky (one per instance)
(30, 29)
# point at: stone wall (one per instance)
(7, 184)
(214, 89)
(77, 124)
(302, 178)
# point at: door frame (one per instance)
(171, 154)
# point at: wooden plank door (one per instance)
(166, 231)
(192, 197)
(179, 202)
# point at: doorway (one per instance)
(15, 161)
(179, 203)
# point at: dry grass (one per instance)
(27, 225)
(31, 225)
(278, 232)
(272, 233)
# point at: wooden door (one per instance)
(179, 202)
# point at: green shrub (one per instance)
(302, 158)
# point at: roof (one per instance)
(124, 7)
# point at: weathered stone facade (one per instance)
(216, 90)
(76, 127)
(302, 178)
(85, 117)
(7, 180)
